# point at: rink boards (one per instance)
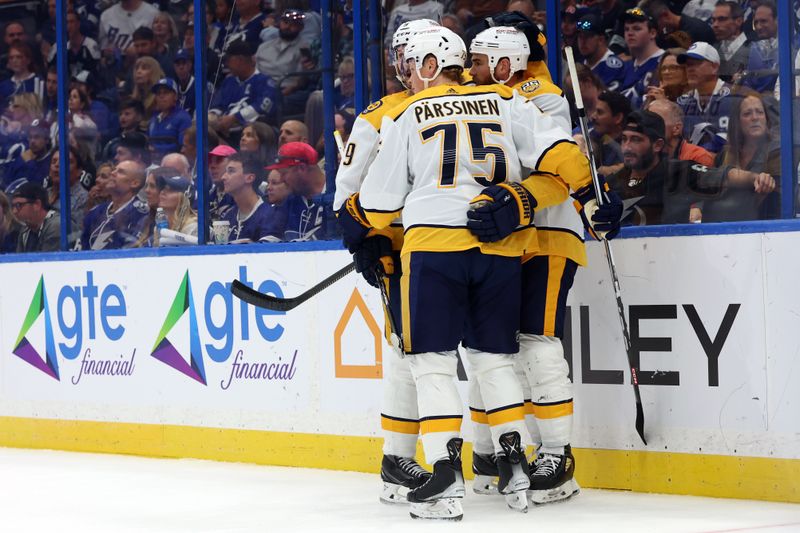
(151, 355)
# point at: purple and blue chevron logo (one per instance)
(190, 362)
(43, 358)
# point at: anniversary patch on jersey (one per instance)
(372, 107)
(530, 86)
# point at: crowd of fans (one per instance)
(662, 80)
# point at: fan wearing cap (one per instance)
(219, 201)
(306, 216)
(184, 67)
(707, 104)
(169, 123)
(593, 46)
(640, 35)
(173, 198)
(278, 57)
(132, 146)
(42, 230)
(34, 163)
(251, 219)
(245, 94)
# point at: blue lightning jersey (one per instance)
(265, 224)
(247, 100)
(10, 87)
(166, 132)
(612, 70)
(638, 78)
(106, 230)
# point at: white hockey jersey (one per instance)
(117, 25)
(443, 146)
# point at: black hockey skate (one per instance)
(551, 477)
(438, 498)
(400, 475)
(514, 476)
(485, 469)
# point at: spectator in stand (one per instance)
(750, 147)
(425, 9)
(671, 77)
(12, 138)
(676, 146)
(118, 22)
(732, 44)
(50, 101)
(280, 56)
(174, 200)
(13, 33)
(119, 222)
(106, 121)
(189, 149)
(608, 118)
(762, 65)
(34, 163)
(78, 195)
(98, 193)
(81, 125)
(178, 163)
(292, 131)
(152, 195)
(245, 95)
(247, 23)
(9, 226)
(640, 36)
(569, 29)
(668, 21)
(166, 34)
(83, 53)
(168, 126)
(132, 147)
(699, 9)
(258, 139)
(593, 46)
(131, 113)
(218, 29)
(591, 86)
(146, 73)
(706, 106)
(453, 23)
(184, 75)
(251, 219)
(306, 215)
(277, 189)
(214, 64)
(219, 202)
(23, 79)
(343, 99)
(42, 226)
(145, 45)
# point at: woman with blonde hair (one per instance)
(9, 226)
(174, 201)
(146, 72)
(166, 33)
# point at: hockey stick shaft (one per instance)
(609, 255)
(267, 301)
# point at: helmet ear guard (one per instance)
(444, 45)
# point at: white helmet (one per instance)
(499, 42)
(401, 38)
(446, 46)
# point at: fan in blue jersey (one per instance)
(307, 214)
(251, 219)
(23, 80)
(167, 127)
(120, 222)
(247, 22)
(246, 94)
(593, 46)
(640, 36)
(34, 163)
(707, 104)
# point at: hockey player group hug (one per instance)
(465, 199)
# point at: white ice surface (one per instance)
(48, 491)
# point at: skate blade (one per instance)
(443, 509)
(517, 501)
(393, 494)
(485, 485)
(563, 492)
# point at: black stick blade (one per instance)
(259, 299)
(640, 422)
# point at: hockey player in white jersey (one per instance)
(399, 415)
(440, 149)
(500, 55)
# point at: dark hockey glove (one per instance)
(499, 210)
(521, 22)
(601, 221)
(373, 259)
(353, 223)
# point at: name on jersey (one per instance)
(428, 110)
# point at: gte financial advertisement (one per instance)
(163, 340)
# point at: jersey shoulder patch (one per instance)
(372, 107)
(614, 62)
(684, 99)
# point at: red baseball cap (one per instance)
(293, 154)
(222, 150)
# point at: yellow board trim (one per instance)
(720, 476)
(546, 412)
(506, 416)
(399, 426)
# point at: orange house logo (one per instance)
(357, 303)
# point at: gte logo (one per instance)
(184, 351)
(78, 310)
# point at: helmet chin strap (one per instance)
(426, 81)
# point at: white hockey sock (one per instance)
(481, 434)
(400, 414)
